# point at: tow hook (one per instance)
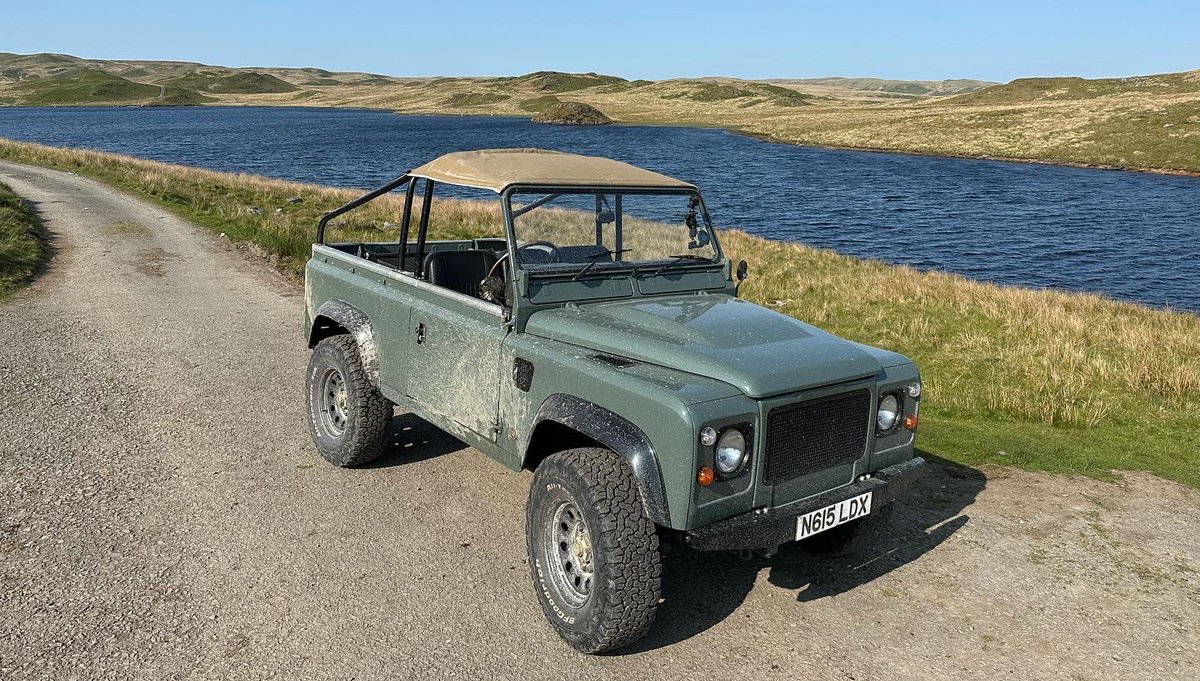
(751, 555)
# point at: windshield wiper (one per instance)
(678, 258)
(595, 258)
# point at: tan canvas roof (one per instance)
(497, 169)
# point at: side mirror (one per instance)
(743, 271)
(606, 217)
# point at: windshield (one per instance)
(605, 230)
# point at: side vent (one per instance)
(618, 362)
(522, 374)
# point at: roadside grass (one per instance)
(23, 247)
(1041, 380)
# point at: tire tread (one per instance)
(627, 543)
(373, 412)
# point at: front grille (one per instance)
(811, 436)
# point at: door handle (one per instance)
(420, 333)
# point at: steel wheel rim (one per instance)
(570, 554)
(333, 403)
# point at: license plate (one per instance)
(833, 515)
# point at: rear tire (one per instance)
(593, 552)
(348, 417)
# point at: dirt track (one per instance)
(164, 515)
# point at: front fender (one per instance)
(333, 316)
(617, 434)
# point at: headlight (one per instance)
(889, 412)
(731, 451)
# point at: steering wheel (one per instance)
(542, 244)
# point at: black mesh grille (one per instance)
(811, 436)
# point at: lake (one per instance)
(1131, 236)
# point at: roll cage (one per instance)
(509, 216)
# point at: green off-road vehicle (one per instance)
(590, 331)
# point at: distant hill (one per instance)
(906, 87)
(75, 85)
(554, 81)
(870, 88)
(1028, 90)
(1147, 122)
(84, 85)
(192, 82)
(241, 82)
(60, 79)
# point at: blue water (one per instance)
(1128, 235)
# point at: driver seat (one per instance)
(459, 270)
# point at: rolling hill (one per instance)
(63, 80)
(25, 78)
(879, 88)
(1144, 122)
(1029, 90)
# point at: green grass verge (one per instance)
(1041, 380)
(23, 247)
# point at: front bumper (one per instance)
(767, 528)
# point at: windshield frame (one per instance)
(652, 267)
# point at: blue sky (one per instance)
(910, 40)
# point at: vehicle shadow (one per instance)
(700, 589)
(414, 439)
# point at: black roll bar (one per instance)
(423, 227)
(405, 221)
(370, 196)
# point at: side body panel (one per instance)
(655, 399)
(410, 374)
(334, 276)
(452, 355)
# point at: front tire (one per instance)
(348, 417)
(593, 552)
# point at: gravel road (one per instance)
(163, 515)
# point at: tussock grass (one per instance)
(1045, 380)
(23, 248)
